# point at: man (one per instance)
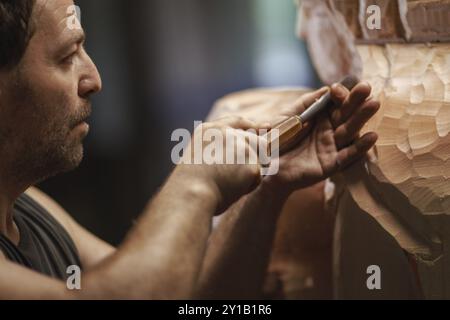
(46, 80)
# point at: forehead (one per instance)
(52, 17)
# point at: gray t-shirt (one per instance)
(44, 246)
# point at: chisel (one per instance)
(291, 129)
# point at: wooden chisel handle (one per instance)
(288, 133)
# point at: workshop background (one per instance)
(163, 64)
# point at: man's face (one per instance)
(44, 101)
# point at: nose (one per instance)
(90, 81)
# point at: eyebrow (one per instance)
(75, 37)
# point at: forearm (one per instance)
(161, 257)
(239, 249)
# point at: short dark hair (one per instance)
(15, 30)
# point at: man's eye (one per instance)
(69, 59)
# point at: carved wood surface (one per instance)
(404, 187)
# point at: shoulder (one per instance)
(91, 248)
(52, 207)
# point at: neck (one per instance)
(7, 198)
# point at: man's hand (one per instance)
(332, 142)
(226, 182)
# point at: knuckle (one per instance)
(205, 125)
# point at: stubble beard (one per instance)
(49, 146)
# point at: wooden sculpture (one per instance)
(393, 210)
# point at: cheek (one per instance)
(47, 115)
(58, 100)
(56, 82)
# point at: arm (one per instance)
(239, 250)
(161, 257)
(158, 259)
(238, 254)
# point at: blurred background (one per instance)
(163, 64)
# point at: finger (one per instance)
(264, 125)
(338, 95)
(237, 122)
(357, 96)
(355, 151)
(306, 100)
(348, 131)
